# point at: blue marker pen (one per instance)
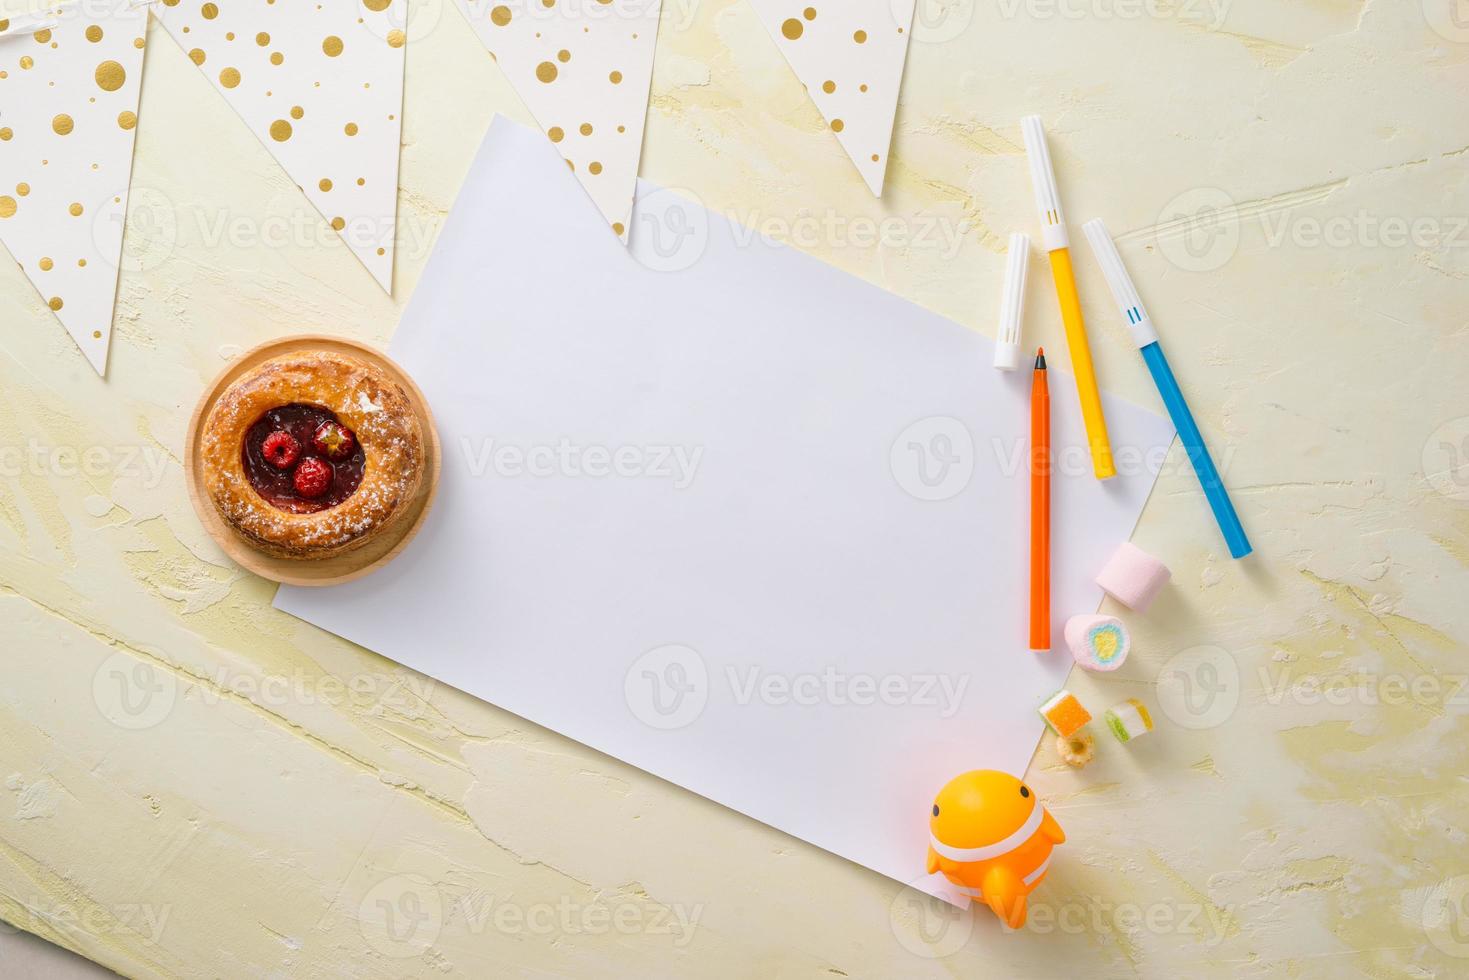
(1188, 430)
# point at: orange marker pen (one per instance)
(1040, 506)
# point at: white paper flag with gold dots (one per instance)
(583, 68)
(321, 84)
(69, 84)
(849, 54)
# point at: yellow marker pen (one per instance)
(1048, 202)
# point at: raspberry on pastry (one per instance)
(312, 454)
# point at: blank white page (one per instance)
(783, 624)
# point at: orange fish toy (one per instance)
(992, 837)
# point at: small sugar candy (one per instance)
(1133, 577)
(1098, 642)
(1065, 714)
(1129, 720)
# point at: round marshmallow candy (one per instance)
(1133, 577)
(1098, 642)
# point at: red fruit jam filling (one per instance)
(276, 485)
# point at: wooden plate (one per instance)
(324, 571)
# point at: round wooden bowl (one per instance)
(323, 571)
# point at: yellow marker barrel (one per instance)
(1081, 363)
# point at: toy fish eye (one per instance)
(1024, 792)
(935, 809)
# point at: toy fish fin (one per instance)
(933, 860)
(1050, 829)
(1004, 893)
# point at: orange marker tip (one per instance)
(1040, 352)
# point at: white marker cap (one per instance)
(1012, 304)
(1123, 290)
(1043, 181)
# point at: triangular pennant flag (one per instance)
(850, 56)
(321, 85)
(583, 68)
(69, 83)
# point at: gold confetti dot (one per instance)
(7, 206)
(138, 42)
(6, 133)
(376, 6)
(338, 224)
(110, 76)
(75, 209)
(361, 181)
(594, 167)
(332, 45)
(280, 130)
(563, 56)
(22, 188)
(792, 28)
(500, 16)
(94, 33)
(586, 129)
(81, 263)
(46, 264)
(325, 184)
(546, 71)
(860, 37)
(27, 62)
(556, 134)
(209, 11)
(874, 158)
(382, 251)
(396, 38)
(350, 129)
(828, 86)
(229, 77)
(809, 13)
(617, 227)
(42, 36)
(62, 124)
(262, 39)
(297, 112)
(862, 88)
(96, 335)
(197, 56)
(276, 57)
(55, 303)
(615, 78)
(837, 125)
(127, 119)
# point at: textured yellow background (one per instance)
(283, 803)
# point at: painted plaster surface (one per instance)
(193, 785)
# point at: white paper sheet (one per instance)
(682, 621)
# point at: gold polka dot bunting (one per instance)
(69, 99)
(849, 54)
(583, 68)
(321, 85)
